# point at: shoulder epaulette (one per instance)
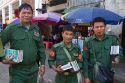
(88, 39)
(112, 37)
(11, 25)
(35, 26)
(56, 45)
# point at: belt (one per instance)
(66, 73)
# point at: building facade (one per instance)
(7, 8)
(117, 6)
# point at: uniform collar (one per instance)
(94, 37)
(63, 45)
(21, 26)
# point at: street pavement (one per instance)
(50, 74)
(120, 72)
(4, 76)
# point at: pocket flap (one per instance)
(19, 37)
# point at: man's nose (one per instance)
(26, 14)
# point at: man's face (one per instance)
(26, 15)
(67, 36)
(99, 28)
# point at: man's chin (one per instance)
(67, 41)
(26, 21)
(100, 34)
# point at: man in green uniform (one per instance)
(27, 37)
(98, 47)
(58, 57)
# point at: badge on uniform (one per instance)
(36, 34)
(52, 54)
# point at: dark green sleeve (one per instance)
(80, 62)
(85, 58)
(52, 57)
(6, 35)
(41, 51)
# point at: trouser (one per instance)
(61, 78)
(23, 74)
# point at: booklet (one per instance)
(114, 50)
(75, 66)
(66, 66)
(15, 55)
(71, 65)
(1, 49)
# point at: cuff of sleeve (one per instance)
(118, 57)
(2, 58)
(50, 64)
(42, 62)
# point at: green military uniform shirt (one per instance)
(58, 57)
(101, 50)
(30, 41)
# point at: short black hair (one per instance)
(67, 28)
(98, 19)
(25, 6)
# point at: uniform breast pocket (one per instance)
(18, 37)
(107, 48)
(60, 57)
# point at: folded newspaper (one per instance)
(15, 55)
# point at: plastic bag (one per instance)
(103, 74)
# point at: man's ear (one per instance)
(92, 27)
(62, 33)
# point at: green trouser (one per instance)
(23, 74)
(61, 78)
(91, 76)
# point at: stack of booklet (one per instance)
(114, 50)
(71, 65)
(15, 55)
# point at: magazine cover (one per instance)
(15, 55)
(1, 49)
